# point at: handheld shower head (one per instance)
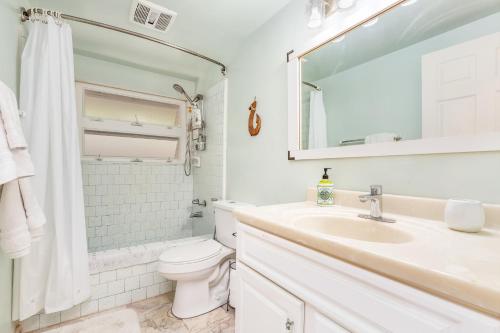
(181, 91)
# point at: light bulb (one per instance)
(345, 4)
(315, 19)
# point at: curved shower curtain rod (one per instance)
(26, 13)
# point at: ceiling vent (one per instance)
(151, 15)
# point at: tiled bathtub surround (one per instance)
(209, 179)
(118, 277)
(129, 203)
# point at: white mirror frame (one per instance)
(348, 22)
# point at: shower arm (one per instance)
(26, 14)
(188, 98)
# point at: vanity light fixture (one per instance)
(371, 23)
(319, 10)
(316, 13)
(408, 3)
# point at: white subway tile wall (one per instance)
(208, 180)
(128, 203)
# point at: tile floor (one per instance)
(155, 317)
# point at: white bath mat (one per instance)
(121, 321)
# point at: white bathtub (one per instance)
(117, 277)
(109, 260)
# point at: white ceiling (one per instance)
(215, 28)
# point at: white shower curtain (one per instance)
(54, 276)
(317, 121)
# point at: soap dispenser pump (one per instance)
(325, 190)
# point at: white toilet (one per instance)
(201, 269)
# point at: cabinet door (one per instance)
(264, 307)
(316, 322)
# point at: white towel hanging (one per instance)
(21, 219)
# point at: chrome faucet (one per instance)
(375, 198)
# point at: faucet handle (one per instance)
(375, 189)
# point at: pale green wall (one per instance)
(382, 95)
(258, 169)
(361, 93)
(121, 75)
(9, 25)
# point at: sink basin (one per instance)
(352, 227)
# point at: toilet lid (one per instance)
(190, 253)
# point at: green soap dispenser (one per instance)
(325, 190)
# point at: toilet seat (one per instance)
(190, 253)
(191, 257)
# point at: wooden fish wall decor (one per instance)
(254, 130)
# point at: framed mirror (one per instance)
(417, 77)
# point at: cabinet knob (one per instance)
(289, 325)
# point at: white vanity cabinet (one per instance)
(282, 282)
(268, 308)
(319, 323)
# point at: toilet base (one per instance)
(199, 296)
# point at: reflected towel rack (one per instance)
(351, 142)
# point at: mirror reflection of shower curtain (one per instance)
(317, 121)
(55, 275)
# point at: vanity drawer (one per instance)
(355, 299)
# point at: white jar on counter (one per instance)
(464, 215)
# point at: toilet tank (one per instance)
(225, 223)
